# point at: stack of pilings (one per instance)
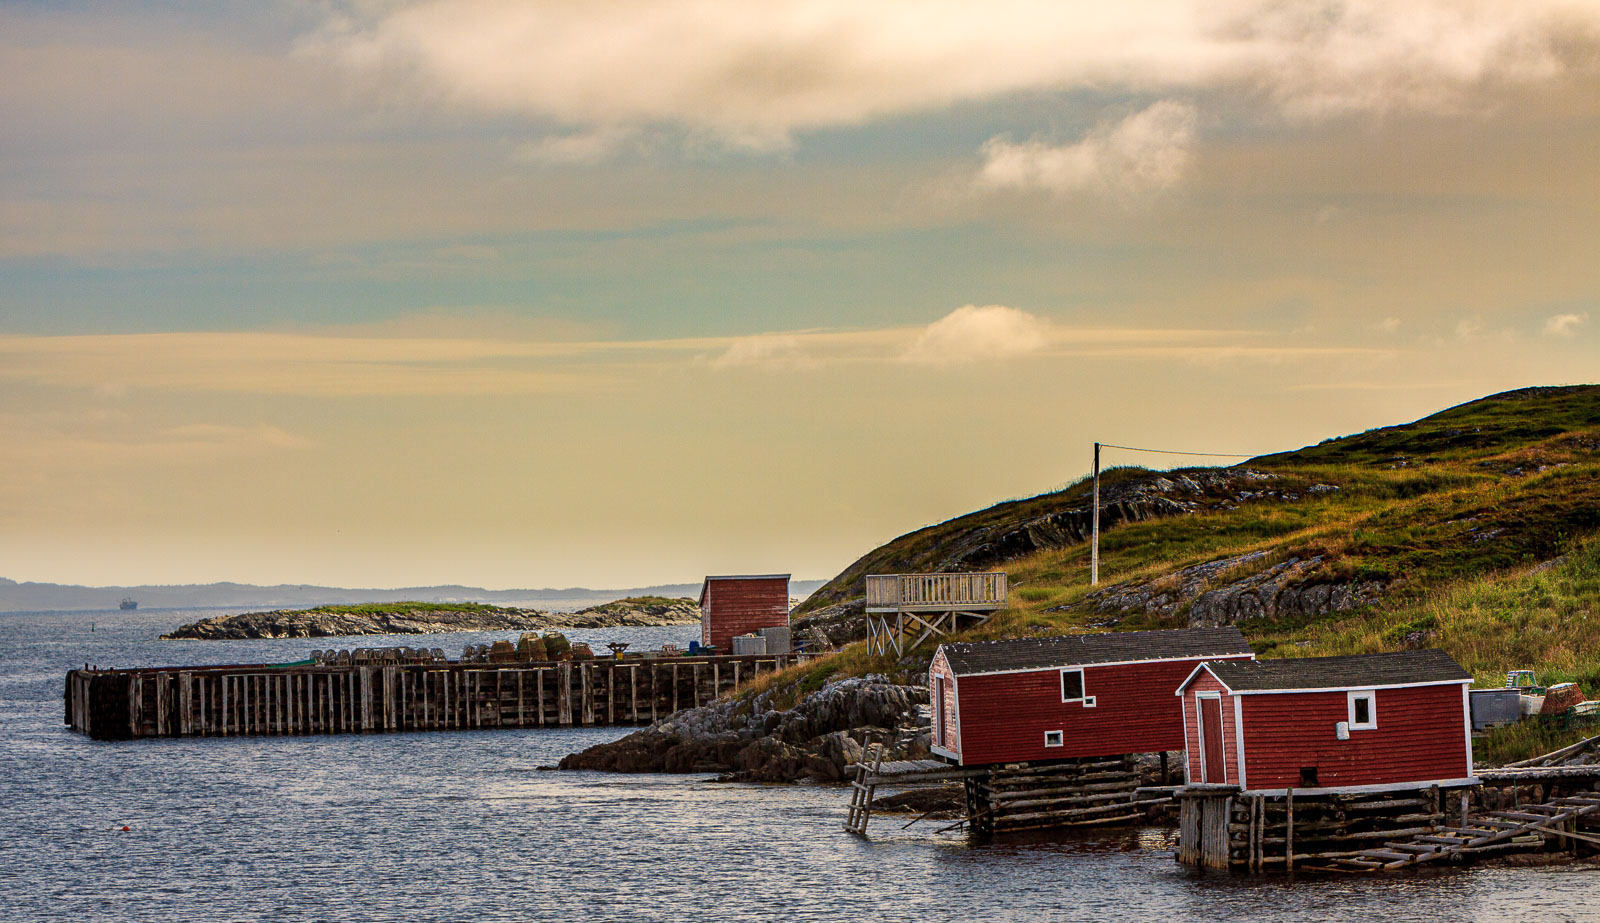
(231, 701)
(1219, 827)
(1068, 793)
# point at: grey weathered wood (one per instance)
(564, 694)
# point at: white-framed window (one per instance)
(1072, 687)
(1052, 738)
(1363, 710)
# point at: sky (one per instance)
(510, 294)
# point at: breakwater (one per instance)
(262, 699)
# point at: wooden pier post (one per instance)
(1288, 830)
(564, 694)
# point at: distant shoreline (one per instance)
(422, 618)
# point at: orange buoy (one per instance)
(126, 828)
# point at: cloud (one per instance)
(1565, 325)
(516, 360)
(98, 443)
(1145, 152)
(752, 74)
(974, 333)
(764, 350)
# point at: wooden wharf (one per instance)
(262, 699)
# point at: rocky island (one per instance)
(420, 618)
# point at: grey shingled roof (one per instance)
(969, 657)
(1396, 668)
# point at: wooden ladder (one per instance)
(1497, 827)
(861, 796)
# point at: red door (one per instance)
(1211, 740)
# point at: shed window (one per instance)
(1363, 711)
(1072, 688)
(1052, 738)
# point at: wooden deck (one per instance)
(984, 592)
(904, 610)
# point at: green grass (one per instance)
(1513, 742)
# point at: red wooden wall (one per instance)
(1004, 716)
(740, 606)
(1421, 736)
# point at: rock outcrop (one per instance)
(415, 618)
(1211, 595)
(989, 538)
(748, 740)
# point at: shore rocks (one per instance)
(416, 618)
(748, 740)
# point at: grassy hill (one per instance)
(1476, 529)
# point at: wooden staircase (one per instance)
(1497, 829)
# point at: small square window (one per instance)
(1072, 685)
(1052, 738)
(1363, 711)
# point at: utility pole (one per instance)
(1094, 545)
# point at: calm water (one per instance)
(463, 826)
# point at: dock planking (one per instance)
(261, 699)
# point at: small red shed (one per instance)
(1372, 722)
(738, 605)
(1058, 698)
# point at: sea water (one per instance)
(468, 826)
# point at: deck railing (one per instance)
(936, 592)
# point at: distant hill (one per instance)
(47, 597)
(1476, 529)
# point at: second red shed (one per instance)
(1371, 722)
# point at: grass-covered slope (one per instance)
(1476, 529)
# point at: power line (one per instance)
(1129, 448)
(1094, 546)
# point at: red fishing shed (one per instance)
(738, 605)
(1061, 698)
(1371, 722)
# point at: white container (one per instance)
(1531, 704)
(746, 645)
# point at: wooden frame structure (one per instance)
(900, 606)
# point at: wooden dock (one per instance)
(1529, 826)
(262, 699)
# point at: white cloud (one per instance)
(752, 74)
(1389, 324)
(1145, 152)
(974, 333)
(771, 349)
(1565, 325)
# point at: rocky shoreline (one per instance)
(752, 740)
(418, 618)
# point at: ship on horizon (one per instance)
(128, 602)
